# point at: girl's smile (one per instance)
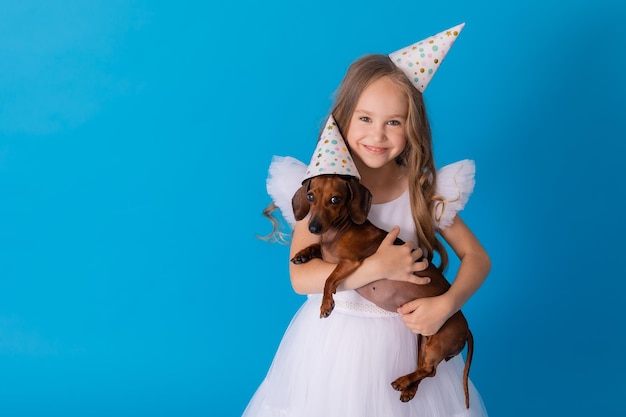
(375, 150)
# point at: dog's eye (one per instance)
(310, 197)
(335, 199)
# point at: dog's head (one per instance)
(331, 199)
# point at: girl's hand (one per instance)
(425, 316)
(400, 262)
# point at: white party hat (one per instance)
(331, 155)
(422, 59)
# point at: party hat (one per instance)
(331, 155)
(422, 59)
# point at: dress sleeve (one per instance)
(284, 178)
(455, 184)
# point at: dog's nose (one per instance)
(315, 228)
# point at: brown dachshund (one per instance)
(338, 206)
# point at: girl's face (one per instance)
(377, 132)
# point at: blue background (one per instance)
(135, 138)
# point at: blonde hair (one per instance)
(418, 154)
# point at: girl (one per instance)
(342, 366)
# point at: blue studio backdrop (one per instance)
(135, 138)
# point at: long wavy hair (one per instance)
(417, 155)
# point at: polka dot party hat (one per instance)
(421, 60)
(331, 154)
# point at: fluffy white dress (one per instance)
(343, 366)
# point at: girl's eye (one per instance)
(364, 119)
(394, 123)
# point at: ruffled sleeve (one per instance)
(284, 178)
(455, 184)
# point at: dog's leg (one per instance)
(448, 342)
(308, 253)
(341, 271)
(427, 367)
(409, 392)
(408, 384)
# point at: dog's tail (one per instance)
(468, 362)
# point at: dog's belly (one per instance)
(388, 294)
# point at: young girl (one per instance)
(343, 365)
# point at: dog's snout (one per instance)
(315, 227)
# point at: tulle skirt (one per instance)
(343, 366)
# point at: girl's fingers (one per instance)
(392, 235)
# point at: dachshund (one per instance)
(338, 206)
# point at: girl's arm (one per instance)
(390, 261)
(426, 315)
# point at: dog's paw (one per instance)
(300, 259)
(408, 394)
(401, 383)
(326, 309)
(406, 387)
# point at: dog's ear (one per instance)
(299, 202)
(361, 201)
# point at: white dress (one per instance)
(343, 365)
